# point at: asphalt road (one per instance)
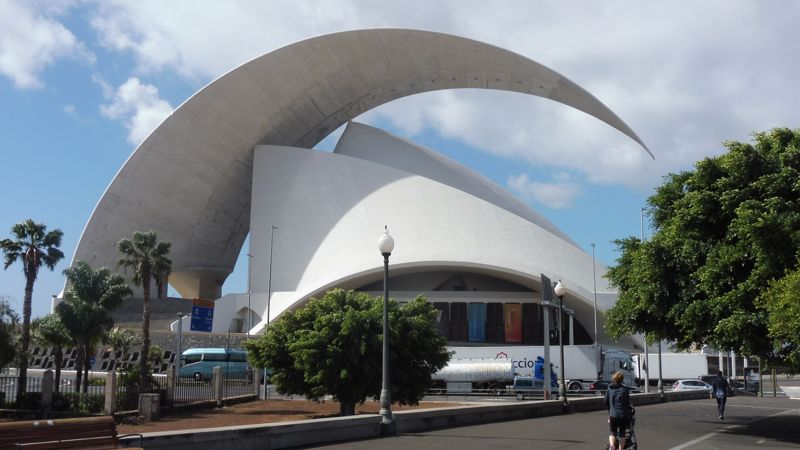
(750, 423)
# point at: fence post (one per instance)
(256, 379)
(110, 406)
(216, 380)
(47, 390)
(172, 378)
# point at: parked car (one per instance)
(708, 379)
(691, 385)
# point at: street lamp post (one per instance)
(594, 290)
(249, 308)
(269, 281)
(560, 291)
(178, 346)
(385, 246)
(646, 352)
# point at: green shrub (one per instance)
(29, 401)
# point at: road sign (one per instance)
(202, 315)
(92, 360)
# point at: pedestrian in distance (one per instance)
(719, 390)
(618, 404)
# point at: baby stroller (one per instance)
(630, 440)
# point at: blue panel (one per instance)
(202, 318)
(477, 322)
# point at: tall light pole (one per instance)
(385, 246)
(560, 291)
(269, 281)
(646, 352)
(660, 387)
(178, 347)
(547, 298)
(249, 308)
(594, 289)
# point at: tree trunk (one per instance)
(347, 409)
(22, 379)
(144, 358)
(86, 367)
(78, 365)
(59, 361)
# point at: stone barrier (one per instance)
(364, 426)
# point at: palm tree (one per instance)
(49, 331)
(86, 309)
(8, 325)
(121, 340)
(148, 259)
(34, 246)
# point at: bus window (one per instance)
(190, 359)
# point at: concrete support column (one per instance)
(110, 406)
(47, 390)
(216, 381)
(172, 379)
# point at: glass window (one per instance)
(238, 357)
(190, 359)
(213, 356)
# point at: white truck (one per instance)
(674, 366)
(495, 367)
(466, 375)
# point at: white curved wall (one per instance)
(331, 208)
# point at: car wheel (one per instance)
(520, 396)
(197, 376)
(575, 387)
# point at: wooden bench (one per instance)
(95, 433)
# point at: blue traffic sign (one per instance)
(202, 315)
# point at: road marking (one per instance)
(729, 427)
(703, 438)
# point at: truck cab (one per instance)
(528, 386)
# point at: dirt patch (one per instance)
(261, 411)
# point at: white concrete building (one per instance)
(235, 158)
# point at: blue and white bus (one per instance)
(199, 363)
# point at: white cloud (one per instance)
(137, 105)
(559, 194)
(31, 40)
(70, 110)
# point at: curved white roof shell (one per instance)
(330, 209)
(190, 179)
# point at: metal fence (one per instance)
(128, 390)
(235, 385)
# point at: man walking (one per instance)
(719, 390)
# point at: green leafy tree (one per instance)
(333, 346)
(50, 331)
(148, 258)
(783, 302)
(86, 309)
(34, 247)
(8, 325)
(721, 234)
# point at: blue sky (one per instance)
(83, 82)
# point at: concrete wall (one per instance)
(338, 429)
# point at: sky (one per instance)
(82, 83)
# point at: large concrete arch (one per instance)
(190, 179)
